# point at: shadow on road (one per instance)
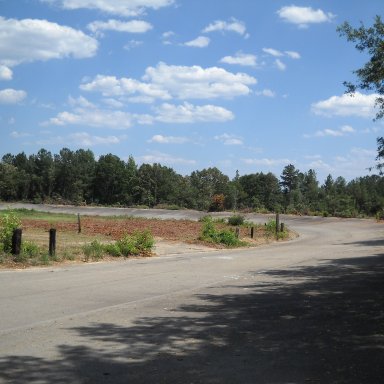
(322, 324)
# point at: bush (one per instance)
(138, 242)
(93, 250)
(211, 234)
(236, 220)
(112, 249)
(8, 223)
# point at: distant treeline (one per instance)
(76, 177)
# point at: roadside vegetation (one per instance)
(77, 177)
(117, 237)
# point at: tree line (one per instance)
(77, 177)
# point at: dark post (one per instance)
(16, 241)
(252, 232)
(78, 223)
(282, 227)
(237, 232)
(277, 223)
(52, 242)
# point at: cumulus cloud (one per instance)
(93, 118)
(188, 113)
(126, 8)
(132, 26)
(171, 81)
(241, 59)
(303, 16)
(199, 42)
(29, 40)
(233, 25)
(160, 139)
(357, 104)
(228, 139)
(5, 73)
(12, 96)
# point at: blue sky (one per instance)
(236, 84)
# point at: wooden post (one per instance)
(282, 227)
(277, 223)
(78, 223)
(237, 232)
(252, 232)
(16, 241)
(52, 242)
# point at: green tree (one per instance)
(289, 183)
(205, 184)
(371, 75)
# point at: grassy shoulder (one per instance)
(109, 238)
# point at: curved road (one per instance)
(307, 311)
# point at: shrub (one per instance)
(30, 249)
(93, 250)
(112, 249)
(138, 242)
(236, 220)
(211, 234)
(8, 223)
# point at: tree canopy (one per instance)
(77, 177)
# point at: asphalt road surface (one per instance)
(307, 311)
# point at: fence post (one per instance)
(252, 232)
(16, 241)
(277, 224)
(78, 223)
(237, 232)
(282, 227)
(52, 242)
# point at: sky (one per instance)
(241, 85)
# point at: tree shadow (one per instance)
(321, 324)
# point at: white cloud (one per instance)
(228, 139)
(241, 59)
(126, 8)
(5, 73)
(199, 42)
(87, 140)
(195, 82)
(273, 52)
(163, 158)
(266, 93)
(170, 81)
(346, 105)
(342, 131)
(132, 44)
(188, 113)
(30, 40)
(12, 96)
(132, 26)
(280, 65)
(93, 118)
(293, 54)
(302, 16)
(233, 25)
(160, 139)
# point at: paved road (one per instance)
(307, 311)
